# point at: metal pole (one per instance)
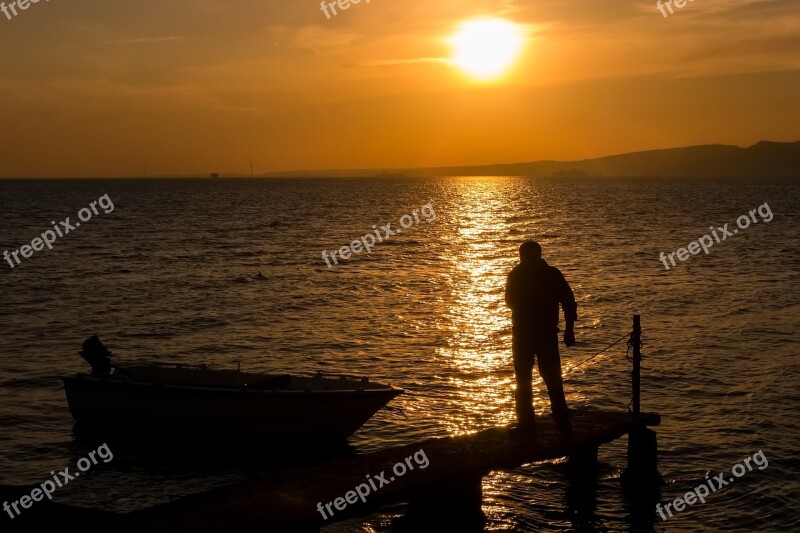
(636, 341)
(642, 469)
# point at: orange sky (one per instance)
(96, 87)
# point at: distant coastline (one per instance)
(765, 159)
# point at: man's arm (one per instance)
(512, 292)
(567, 300)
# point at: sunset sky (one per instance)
(96, 87)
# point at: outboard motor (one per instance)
(97, 355)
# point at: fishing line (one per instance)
(600, 352)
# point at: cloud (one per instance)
(148, 40)
(319, 39)
(412, 61)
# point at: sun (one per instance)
(486, 48)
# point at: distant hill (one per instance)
(763, 159)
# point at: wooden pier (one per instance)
(448, 488)
(288, 500)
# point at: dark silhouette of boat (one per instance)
(199, 399)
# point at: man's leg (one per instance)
(550, 370)
(523, 368)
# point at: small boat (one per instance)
(199, 399)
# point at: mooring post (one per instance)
(582, 462)
(455, 502)
(642, 441)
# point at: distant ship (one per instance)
(213, 175)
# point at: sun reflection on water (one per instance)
(481, 374)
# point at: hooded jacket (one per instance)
(534, 290)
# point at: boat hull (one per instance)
(323, 415)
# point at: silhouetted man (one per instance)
(533, 292)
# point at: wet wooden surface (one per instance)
(287, 501)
